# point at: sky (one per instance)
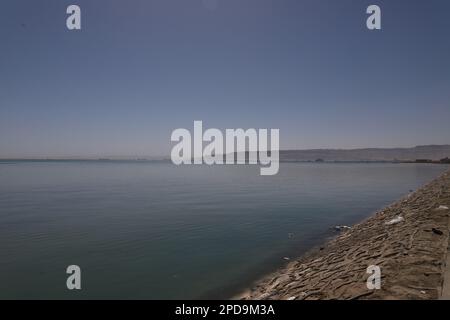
(139, 69)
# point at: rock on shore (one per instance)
(408, 241)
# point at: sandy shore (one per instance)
(411, 254)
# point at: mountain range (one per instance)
(429, 152)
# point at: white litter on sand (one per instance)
(395, 220)
(292, 298)
(341, 228)
(442, 208)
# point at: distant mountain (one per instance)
(432, 152)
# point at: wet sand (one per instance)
(408, 240)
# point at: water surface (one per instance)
(151, 230)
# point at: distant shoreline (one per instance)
(418, 154)
(412, 255)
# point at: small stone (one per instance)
(437, 231)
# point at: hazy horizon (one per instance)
(139, 69)
(167, 156)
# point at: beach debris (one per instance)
(423, 292)
(442, 208)
(437, 231)
(397, 219)
(341, 228)
(287, 258)
(292, 298)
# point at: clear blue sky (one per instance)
(140, 68)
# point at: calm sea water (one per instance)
(153, 230)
